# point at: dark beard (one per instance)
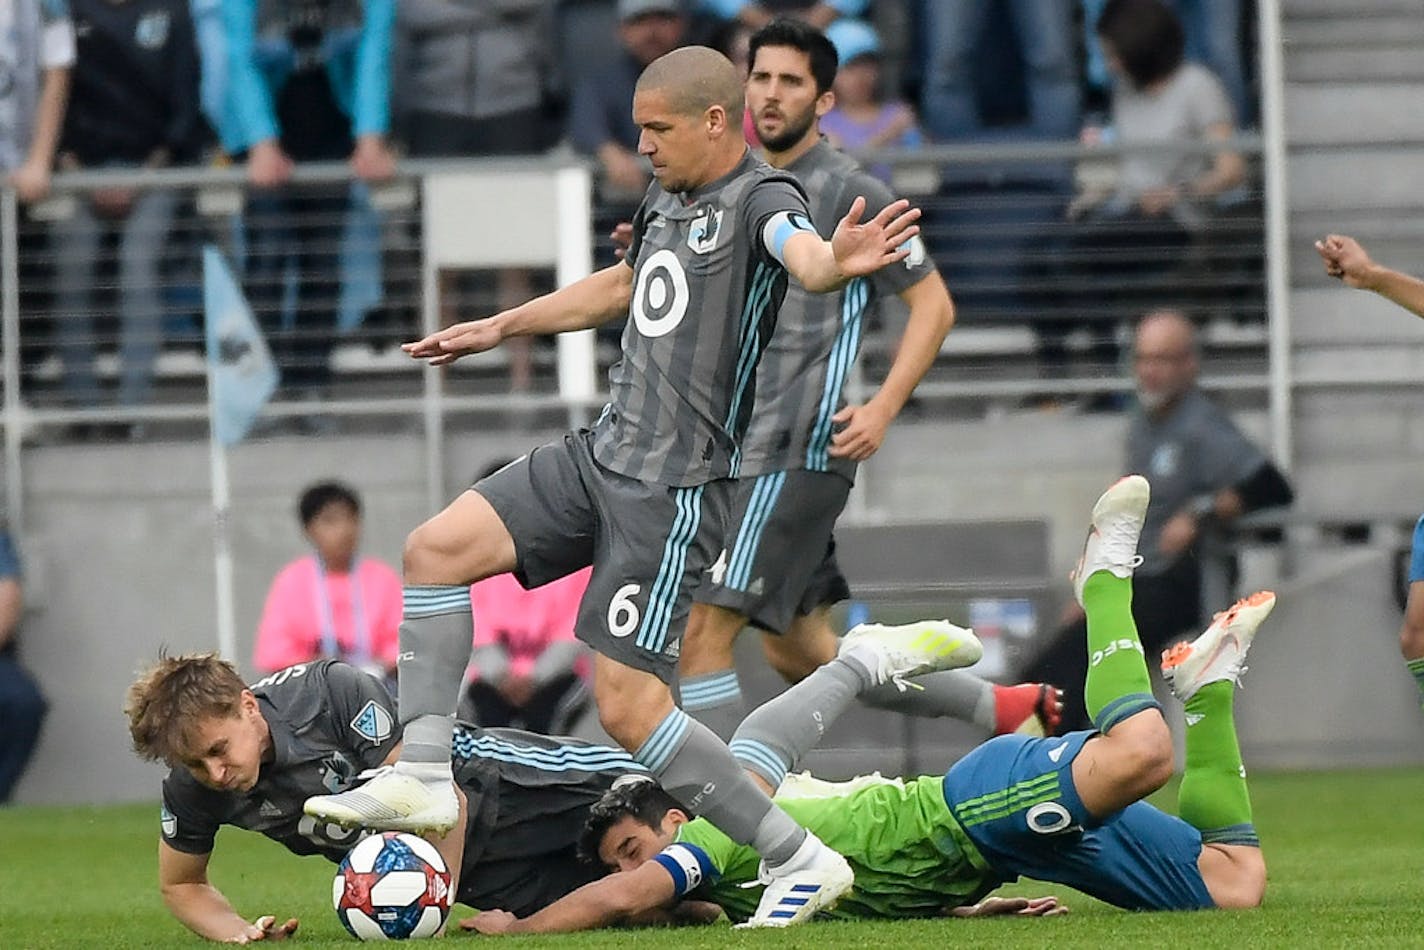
(789, 136)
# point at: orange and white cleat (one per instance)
(1220, 652)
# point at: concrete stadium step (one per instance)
(1350, 113)
(1357, 178)
(1355, 63)
(1340, 316)
(1293, 10)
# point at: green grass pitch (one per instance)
(1346, 852)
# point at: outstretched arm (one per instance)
(589, 302)
(931, 315)
(856, 249)
(1346, 259)
(202, 908)
(612, 900)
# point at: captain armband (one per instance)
(778, 230)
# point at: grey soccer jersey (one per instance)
(528, 795)
(804, 369)
(706, 292)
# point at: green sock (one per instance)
(1213, 798)
(1117, 685)
(1416, 666)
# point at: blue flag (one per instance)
(241, 374)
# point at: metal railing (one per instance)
(349, 289)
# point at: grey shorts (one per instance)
(778, 557)
(648, 545)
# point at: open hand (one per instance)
(622, 238)
(861, 430)
(266, 928)
(462, 339)
(489, 922)
(1012, 906)
(864, 248)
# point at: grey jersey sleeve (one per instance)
(771, 197)
(186, 819)
(362, 713)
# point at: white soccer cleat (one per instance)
(1112, 539)
(391, 801)
(1220, 652)
(812, 881)
(913, 649)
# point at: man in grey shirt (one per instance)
(1204, 473)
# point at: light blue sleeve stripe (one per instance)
(778, 230)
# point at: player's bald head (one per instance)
(694, 78)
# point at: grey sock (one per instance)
(697, 769)
(772, 740)
(435, 644)
(715, 700)
(951, 693)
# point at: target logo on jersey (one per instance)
(392, 886)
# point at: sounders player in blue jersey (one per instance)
(1065, 809)
(1346, 260)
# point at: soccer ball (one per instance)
(392, 886)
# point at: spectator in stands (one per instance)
(477, 79)
(954, 32)
(133, 104)
(863, 117)
(754, 15)
(601, 111)
(528, 669)
(1126, 238)
(37, 48)
(1213, 31)
(331, 602)
(22, 706)
(1205, 474)
(308, 81)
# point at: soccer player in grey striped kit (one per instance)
(713, 242)
(777, 569)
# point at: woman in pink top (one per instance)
(528, 668)
(331, 603)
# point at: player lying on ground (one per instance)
(250, 757)
(1066, 809)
